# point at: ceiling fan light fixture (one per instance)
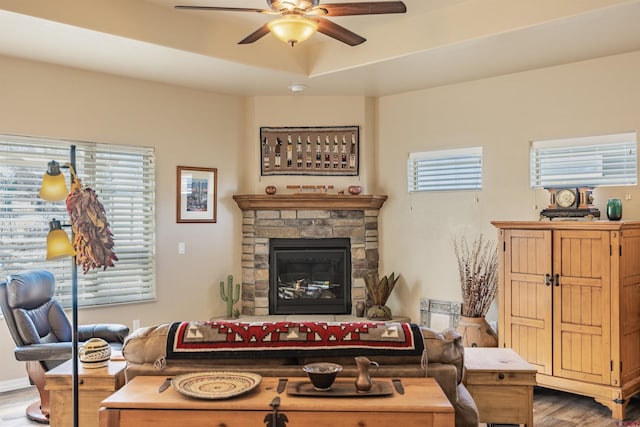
(293, 29)
(292, 4)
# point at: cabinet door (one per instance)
(582, 304)
(627, 332)
(527, 299)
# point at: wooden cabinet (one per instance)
(569, 303)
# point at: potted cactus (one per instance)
(229, 297)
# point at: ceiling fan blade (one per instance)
(220, 9)
(338, 32)
(364, 8)
(256, 35)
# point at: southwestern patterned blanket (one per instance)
(202, 340)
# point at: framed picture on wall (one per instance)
(329, 150)
(196, 194)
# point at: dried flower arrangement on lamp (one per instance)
(478, 269)
(93, 240)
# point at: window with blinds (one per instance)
(124, 180)
(588, 161)
(455, 169)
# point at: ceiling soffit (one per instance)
(433, 35)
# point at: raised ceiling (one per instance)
(436, 42)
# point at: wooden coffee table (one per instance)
(139, 403)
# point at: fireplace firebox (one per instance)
(310, 276)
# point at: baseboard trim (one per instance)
(15, 384)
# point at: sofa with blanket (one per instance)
(280, 349)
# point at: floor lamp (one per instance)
(54, 189)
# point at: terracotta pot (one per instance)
(354, 190)
(360, 306)
(476, 332)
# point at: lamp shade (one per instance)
(54, 186)
(58, 243)
(293, 29)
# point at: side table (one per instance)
(501, 383)
(95, 385)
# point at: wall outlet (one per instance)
(181, 248)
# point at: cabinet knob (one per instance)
(501, 376)
(547, 279)
(362, 424)
(557, 279)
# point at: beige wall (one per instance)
(186, 127)
(503, 115)
(203, 129)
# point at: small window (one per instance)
(593, 161)
(455, 169)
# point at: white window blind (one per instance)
(455, 169)
(588, 161)
(124, 180)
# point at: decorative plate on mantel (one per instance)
(215, 385)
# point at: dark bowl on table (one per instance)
(322, 374)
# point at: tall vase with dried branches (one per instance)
(478, 270)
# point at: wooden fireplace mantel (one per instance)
(323, 201)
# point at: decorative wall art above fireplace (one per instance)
(330, 150)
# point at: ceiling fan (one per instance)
(299, 19)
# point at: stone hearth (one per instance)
(309, 216)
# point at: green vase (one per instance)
(614, 209)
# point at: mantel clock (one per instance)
(570, 202)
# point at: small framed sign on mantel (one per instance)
(330, 150)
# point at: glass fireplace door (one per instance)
(309, 276)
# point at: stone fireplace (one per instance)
(306, 216)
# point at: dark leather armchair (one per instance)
(42, 332)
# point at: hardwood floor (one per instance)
(13, 405)
(551, 409)
(555, 408)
